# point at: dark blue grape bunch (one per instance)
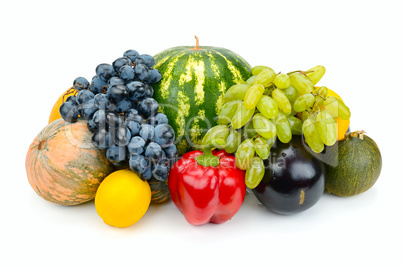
(123, 116)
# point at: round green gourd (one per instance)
(160, 191)
(194, 81)
(358, 165)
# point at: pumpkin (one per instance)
(353, 166)
(62, 164)
(55, 114)
(194, 81)
(159, 190)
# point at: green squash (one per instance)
(355, 167)
(160, 191)
(194, 81)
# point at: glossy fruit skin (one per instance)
(294, 179)
(160, 191)
(63, 166)
(354, 167)
(55, 114)
(207, 193)
(194, 82)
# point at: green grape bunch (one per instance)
(270, 106)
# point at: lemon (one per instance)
(122, 198)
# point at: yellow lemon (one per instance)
(122, 198)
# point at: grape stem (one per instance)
(69, 91)
(207, 159)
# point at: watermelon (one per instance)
(194, 81)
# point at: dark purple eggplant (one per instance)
(294, 179)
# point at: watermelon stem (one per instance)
(197, 44)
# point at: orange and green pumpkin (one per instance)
(63, 166)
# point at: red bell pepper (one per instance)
(207, 186)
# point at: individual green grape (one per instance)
(312, 136)
(264, 126)
(250, 81)
(244, 154)
(283, 130)
(249, 130)
(271, 141)
(282, 81)
(236, 92)
(291, 93)
(305, 115)
(227, 112)
(326, 128)
(261, 148)
(303, 102)
(219, 131)
(265, 78)
(322, 92)
(241, 116)
(255, 172)
(318, 102)
(233, 141)
(296, 125)
(282, 101)
(259, 68)
(337, 108)
(315, 74)
(301, 83)
(267, 106)
(253, 95)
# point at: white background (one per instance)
(47, 44)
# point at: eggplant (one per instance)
(294, 179)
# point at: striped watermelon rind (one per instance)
(193, 84)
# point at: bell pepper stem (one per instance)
(207, 158)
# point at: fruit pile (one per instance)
(199, 125)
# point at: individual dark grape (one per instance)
(97, 85)
(99, 118)
(105, 71)
(121, 106)
(136, 90)
(161, 118)
(138, 163)
(149, 91)
(117, 93)
(69, 112)
(126, 72)
(171, 151)
(147, 132)
(145, 59)
(153, 152)
(72, 99)
(84, 96)
(133, 115)
(142, 72)
(131, 54)
(148, 107)
(80, 83)
(101, 101)
(164, 135)
(116, 154)
(88, 109)
(92, 126)
(115, 81)
(147, 174)
(102, 139)
(160, 171)
(133, 126)
(154, 76)
(122, 136)
(151, 121)
(136, 145)
(119, 62)
(113, 120)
